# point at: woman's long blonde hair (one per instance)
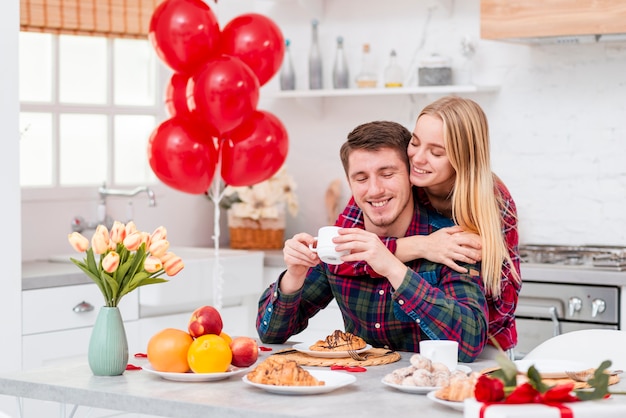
(476, 201)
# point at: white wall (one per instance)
(10, 279)
(558, 129)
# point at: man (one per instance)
(394, 306)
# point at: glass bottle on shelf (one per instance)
(341, 77)
(315, 60)
(367, 77)
(287, 73)
(393, 75)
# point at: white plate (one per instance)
(450, 404)
(550, 368)
(333, 380)
(304, 348)
(196, 377)
(422, 389)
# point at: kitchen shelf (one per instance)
(421, 90)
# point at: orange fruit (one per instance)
(209, 353)
(226, 337)
(167, 350)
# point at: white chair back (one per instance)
(591, 346)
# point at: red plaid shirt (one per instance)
(501, 310)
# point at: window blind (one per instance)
(109, 18)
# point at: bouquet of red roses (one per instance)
(500, 386)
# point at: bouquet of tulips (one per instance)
(128, 258)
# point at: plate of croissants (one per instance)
(286, 377)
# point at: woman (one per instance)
(450, 167)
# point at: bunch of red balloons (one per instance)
(212, 98)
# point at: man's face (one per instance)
(379, 181)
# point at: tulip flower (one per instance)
(159, 234)
(78, 242)
(118, 232)
(133, 241)
(130, 228)
(152, 264)
(160, 247)
(100, 240)
(145, 239)
(111, 262)
(168, 255)
(173, 266)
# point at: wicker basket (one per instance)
(262, 234)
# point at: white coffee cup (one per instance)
(441, 351)
(325, 247)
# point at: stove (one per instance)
(602, 257)
(568, 288)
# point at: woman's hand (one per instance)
(446, 246)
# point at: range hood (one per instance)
(553, 21)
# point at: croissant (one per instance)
(282, 372)
(339, 341)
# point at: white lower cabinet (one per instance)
(56, 326)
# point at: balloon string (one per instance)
(218, 279)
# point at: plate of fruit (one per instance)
(202, 353)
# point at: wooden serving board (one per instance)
(378, 356)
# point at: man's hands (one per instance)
(298, 258)
(367, 246)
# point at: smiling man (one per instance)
(392, 306)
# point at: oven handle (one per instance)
(534, 311)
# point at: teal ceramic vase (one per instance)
(108, 347)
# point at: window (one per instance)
(88, 106)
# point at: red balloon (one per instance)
(184, 33)
(176, 95)
(223, 93)
(254, 151)
(257, 41)
(182, 157)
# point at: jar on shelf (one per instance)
(287, 73)
(341, 75)
(435, 70)
(393, 74)
(367, 77)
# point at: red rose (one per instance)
(524, 393)
(560, 393)
(488, 389)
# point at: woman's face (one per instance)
(430, 166)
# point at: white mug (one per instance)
(325, 247)
(441, 351)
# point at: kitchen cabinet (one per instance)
(504, 19)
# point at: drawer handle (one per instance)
(83, 307)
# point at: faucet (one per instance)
(79, 224)
(104, 192)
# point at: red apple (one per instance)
(245, 351)
(205, 320)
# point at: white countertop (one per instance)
(138, 391)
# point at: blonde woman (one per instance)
(477, 220)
